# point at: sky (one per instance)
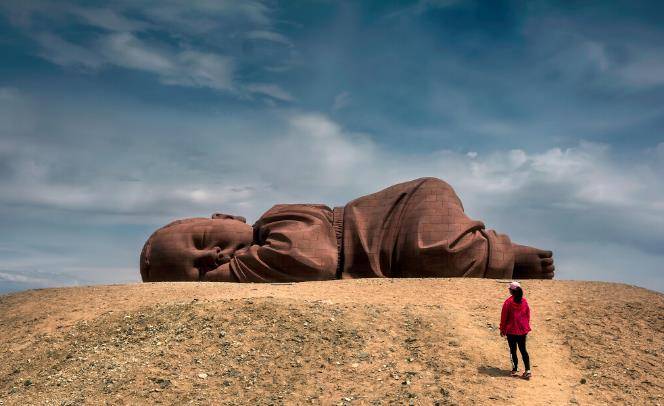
(117, 117)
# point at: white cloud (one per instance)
(202, 69)
(34, 279)
(194, 16)
(269, 36)
(112, 163)
(341, 100)
(64, 53)
(423, 6)
(645, 67)
(131, 43)
(126, 50)
(108, 19)
(271, 90)
(173, 67)
(316, 153)
(614, 54)
(294, 156)
(243, 164)
(202, 15)
(185, 68)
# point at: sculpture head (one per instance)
(185, 250)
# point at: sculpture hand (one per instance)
(223, 216)
(220, 274)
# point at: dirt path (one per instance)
(555, 379)
(345, 342)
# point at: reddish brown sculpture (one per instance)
(410, 230)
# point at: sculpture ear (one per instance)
(222, 216)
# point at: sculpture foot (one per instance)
(532, 263)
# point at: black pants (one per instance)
(513, 341)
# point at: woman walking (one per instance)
(515, 324)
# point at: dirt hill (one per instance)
(412, 341)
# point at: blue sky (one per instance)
(546, 117)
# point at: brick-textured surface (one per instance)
(412, 229)
(419, 229)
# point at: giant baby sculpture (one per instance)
(416, 229)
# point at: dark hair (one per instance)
(517, 294)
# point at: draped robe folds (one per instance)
(412, 229)
(292, 243)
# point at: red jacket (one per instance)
(515, 317)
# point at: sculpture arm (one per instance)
(293, 243)
(500, 263)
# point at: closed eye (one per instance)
(199, 243)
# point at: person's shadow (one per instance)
(493, 371)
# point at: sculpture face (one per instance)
(185, 251)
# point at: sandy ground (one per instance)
(416, 341)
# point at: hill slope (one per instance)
(344, 342)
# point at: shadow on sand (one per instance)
(493, 371)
